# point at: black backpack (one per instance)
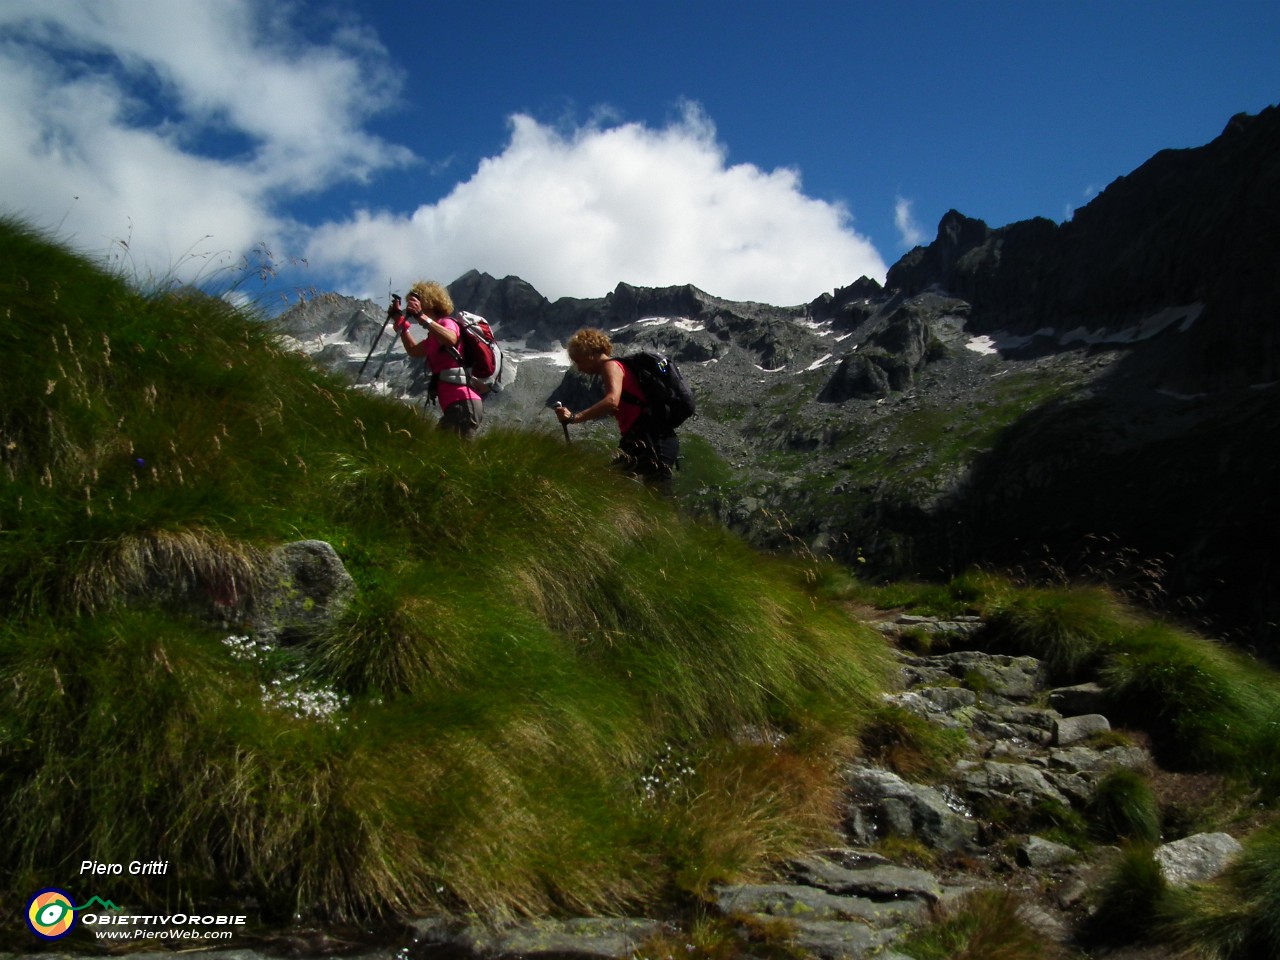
(667, 398)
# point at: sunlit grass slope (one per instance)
(549, 693)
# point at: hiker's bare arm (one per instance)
(447, 334)
(606, 406)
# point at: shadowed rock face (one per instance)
(1188, 226)
(889, 361)
(1030, 392)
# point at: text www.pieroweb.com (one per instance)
(152, 927)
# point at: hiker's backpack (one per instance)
(478, 352)
(667, 397)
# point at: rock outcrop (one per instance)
(304, 589)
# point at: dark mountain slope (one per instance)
(1171, 452)
(1188, 226)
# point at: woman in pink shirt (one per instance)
(430, 305)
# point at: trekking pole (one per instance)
(563, 426)
(385, 357)
(396, 299)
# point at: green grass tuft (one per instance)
(910, 746)
(983, 925)
(1126, 903)
(1124, 807)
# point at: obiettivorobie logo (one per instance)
(51, 913)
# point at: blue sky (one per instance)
(766, 151)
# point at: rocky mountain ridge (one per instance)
(1188, 227)
(1078, 394)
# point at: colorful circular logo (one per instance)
(51, 914)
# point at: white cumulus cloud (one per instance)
(575, 213)
(189, 129)
(178, 125)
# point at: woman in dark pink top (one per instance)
(646, 450)
(430, 305)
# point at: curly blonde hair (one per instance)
(589, 342)
(435, 299)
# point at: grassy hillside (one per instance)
(538, 699)
(551, 692)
